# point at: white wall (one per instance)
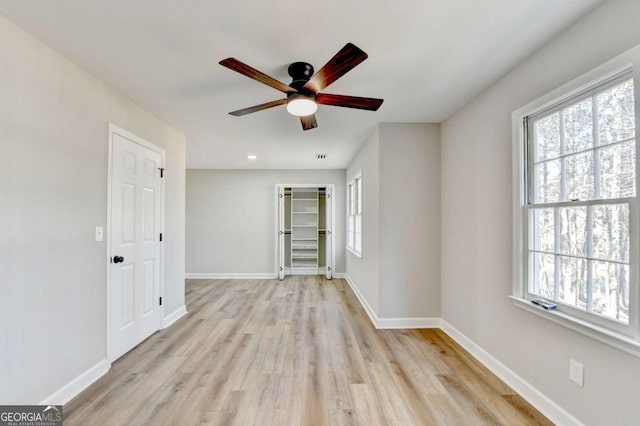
(476, 229)
(399, 272)
(53, 158)
(231, 218)
(364, 271)
(409, 220)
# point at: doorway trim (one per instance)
(112, 130)
(276, 226)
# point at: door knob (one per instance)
(118, 259)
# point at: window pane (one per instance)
(573, 282)
(578, 126)
(358, 246)
(616, 116)
(547, 137)
(351, 199)
(359, 196)
(617, 170)
(573, 231)
(543, 275)
(611, 290)
(579, 175)
(547, 181)
(543, 238)
(351, 231)
(611, 232)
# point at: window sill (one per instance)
(353, 252)
(601, 334)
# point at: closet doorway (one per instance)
(304, 232)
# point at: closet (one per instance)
(305, 229)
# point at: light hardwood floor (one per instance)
(295, 352)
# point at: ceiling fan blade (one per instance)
(343, 61)
(370, 104)
(257, 108)
(309, 122)
(244, 69)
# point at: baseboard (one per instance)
(541, 402)
(230, 276)
(367, 308)
(174, 316)
(388, 323)
(77, 385)
(393, 323)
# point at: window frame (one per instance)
(609, 331)
(354, 212)
(532, 204)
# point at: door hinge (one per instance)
(161, 236)
(161, 171)
(161, 301)
(281, 268)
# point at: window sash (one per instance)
(354, 215)
(534, 247)
(358, 234)
(351, 217)
(529, 121)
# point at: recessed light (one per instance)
(251, 157)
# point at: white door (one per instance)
(136, 203)
(329, 232)
(281, 232)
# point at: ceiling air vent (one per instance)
(321, 156)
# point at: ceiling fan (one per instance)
(303, 94)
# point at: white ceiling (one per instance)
(426, 59)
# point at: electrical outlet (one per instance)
(576, 372)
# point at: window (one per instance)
(576, 235)
(354, 215)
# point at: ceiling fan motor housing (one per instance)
(300, 72)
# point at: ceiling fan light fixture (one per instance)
(301, 105)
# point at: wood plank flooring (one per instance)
(296, 352)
